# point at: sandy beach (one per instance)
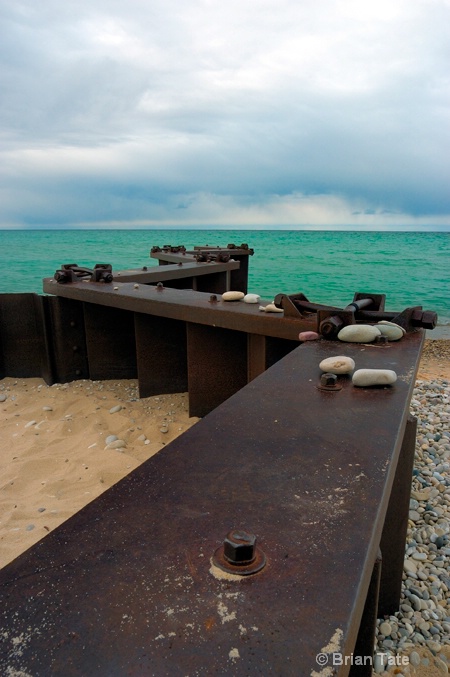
(63, 445)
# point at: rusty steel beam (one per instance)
(161, 355)
(178, 271)
(125, 586)
(181, 304)
(238, 277)
(396, 525)
(23, 349)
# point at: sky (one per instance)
(236, 113)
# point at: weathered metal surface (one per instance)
(110, 341)
(124, 587)
(181, 304)
(22, 336)
(170, 274)
(217, 366)
(365, 642)
(396, 525)
(66, 340)
(161, 355)
(238, 277)
(329, 320)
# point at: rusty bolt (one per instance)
(328, 380)
(330, 327)
(381, 339)
(239, 547)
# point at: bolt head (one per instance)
(328, 379)
(239, 547)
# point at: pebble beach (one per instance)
(63, 445)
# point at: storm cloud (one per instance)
(270, 113)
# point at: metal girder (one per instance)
(125, 586)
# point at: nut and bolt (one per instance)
(328, 380)
(239, 547)
(239, 554)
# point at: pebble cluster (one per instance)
(423, 620)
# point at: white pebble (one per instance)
(115, 409)
(233, 296)
(271, 308)
(359, 333)
(252, 298)
(337, 365)
(374, 377)
(392, 331)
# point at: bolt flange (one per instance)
(239, 554)
(329, 382)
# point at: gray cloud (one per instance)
(244, 112)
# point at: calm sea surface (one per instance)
(327, 266)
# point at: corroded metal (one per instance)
(329, 320)
(125, 586)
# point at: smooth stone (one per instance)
(409, 566)
(47, 409)
(115, 409)
(117, 444)
(385, 628)
(392, 331)
(337, 365)
(252, 298)
(111, 438)
(374, 377)
(358, 333)
(419, 556)
(3, 397)
(271, 308)
(308, 336)
(414, 515)
(233, 296)
(414, 659)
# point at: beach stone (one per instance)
(359, 333)
(414, 659)
(374, 377)
(337, 365)
(392, 331)
(115, 409)
(308, 336)
(252, 298)
(30, 527)
(385, 628)
(117, 444)
(111, 438)
(271, 308)
(233, 296)
(3, 397)
(47, 409)
(410, 566)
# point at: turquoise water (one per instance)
(327, 266)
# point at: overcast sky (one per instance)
(270, 113)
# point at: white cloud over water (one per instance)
(246, 113)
